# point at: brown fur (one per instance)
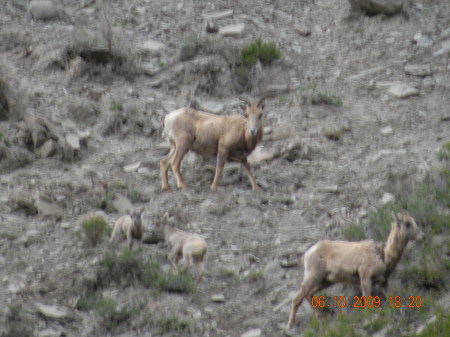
(364, 262)
(128, 227)
(230, 138)
(191, 247)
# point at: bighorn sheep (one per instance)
(128, 227)
(191, 247)
(231, 138)
(364, 262)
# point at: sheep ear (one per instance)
(394, 217)
(166, 217)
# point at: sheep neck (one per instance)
(251, 141)
(394, 247)
(169, 230)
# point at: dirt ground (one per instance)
(328, 164)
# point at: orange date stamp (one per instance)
(362, 302)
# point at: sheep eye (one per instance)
(408, 224)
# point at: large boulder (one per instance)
(43, 10)
(373, 7)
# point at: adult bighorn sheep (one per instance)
(191, 247)
(230, 138)
(363, 262)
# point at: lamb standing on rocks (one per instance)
(128, 227)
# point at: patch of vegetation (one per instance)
(332, 133)
(172, 324)
(17, 325)
(95, 228)
(111, 316)
(4, 140)
(116, 106)
(229, 274)
(326, 99)
(265, 52)
(444, 152)
(8, 236)
(353, 232)
(179, 281)
(255, 275)
(126, 266)
(439, 328)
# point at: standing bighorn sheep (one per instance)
(230, 138)
(128, 227)
(366, 262)
(191, 247)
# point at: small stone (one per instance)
(48, 207)
(445, 48)
(210, 106)
(52, 311)
(387, 198)
(122, 204)
(47, 149)
(252, 333)
(43, 10)
(422, 41)
(211, 27)
(259, 155)
(236, 30)
(418, 69)
(387, 130)
(49, 333)
(218, 298)
(403, 91)
(218, 15)
(152, 47)
(302, 30)
(329, 189)
(132, 167)
(73, 141)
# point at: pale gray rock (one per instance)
(218, 298)
(445, 48)
(43, 10)
(403, 91)
(49, 333)
(218, 15)
(236, 30)
(387, 130)
(73, 140)
(46, 206)
(52, 311)
(47, 149)
(387, 198)
(210, 106)
(418, 69)
(122, 204)
(152, 47)
(387, 7)
(252, 333)
(132, 167)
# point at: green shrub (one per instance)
(326, 99)
(95, 229)
(353, 232)
(444, 152)
(124, 266)
(174, 281)
(172, 324)
(255, 275)
(116, 106)
(332, 133)
(110, 315)
(265, 52)
(439, 328)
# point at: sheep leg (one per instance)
(181, 149)
(366, 285)
(200, 272)
(113, 234)
(222, 155)
(164, 167)
(305, 289)
(174, 255)
(249, 172)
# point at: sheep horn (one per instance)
(245, 99)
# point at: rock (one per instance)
(122, 204)
(43, 10)
(218, 298)
(373, 7)
(387, 198)
(47, 149)
(252, 333)
(218, 15)
(387, 130)
(236, 30)
(422, 328)
(16, 287)
(302, 30)
(422, 41)
(132, 167)
(403, 91)
(83, 112)
(210, 106)
(418, 69)
(46, 206)
(150, 69)
(73, 140)
(50, 333)
(329, 189)
(445, 48)
(152, 47)
(52, 311)
(259, 155)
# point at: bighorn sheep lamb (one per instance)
(364, 262)
(128, 227)
(231, 138)
(191, 247)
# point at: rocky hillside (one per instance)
(357, 126)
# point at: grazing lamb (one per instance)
(128, 227)
(230, 138)
(191, 247)
(363, 262)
